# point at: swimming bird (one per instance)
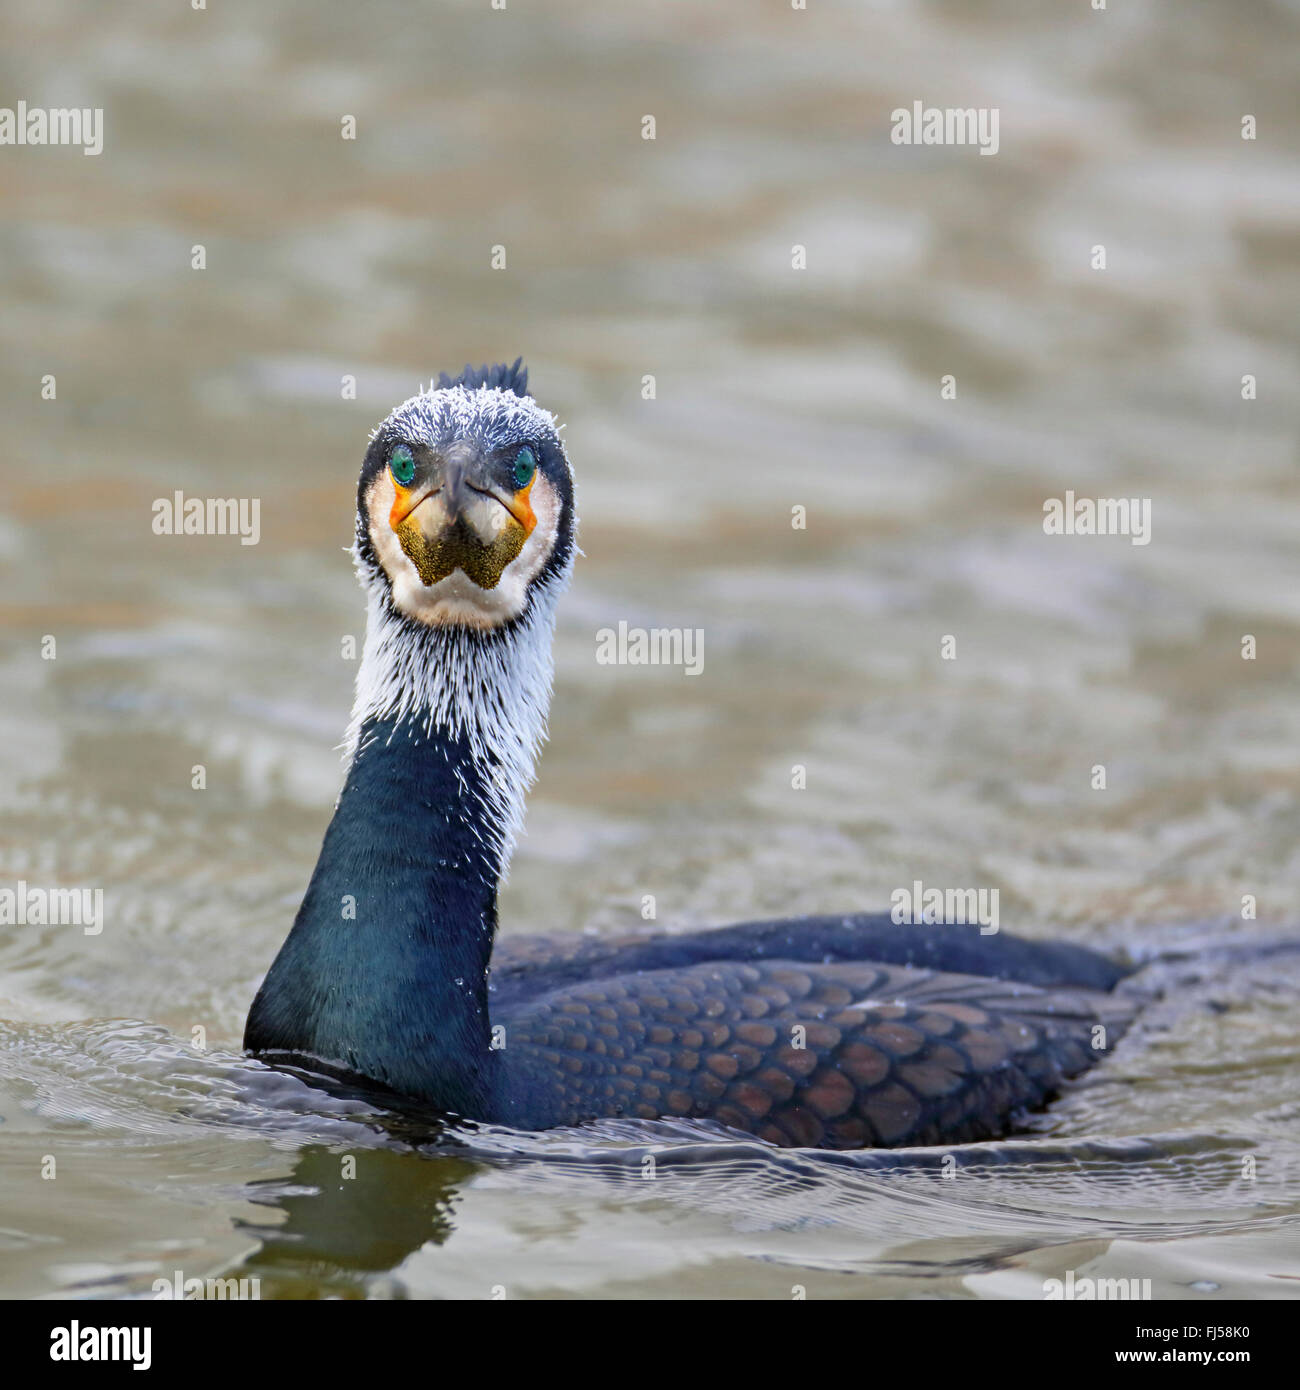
(832, 1032)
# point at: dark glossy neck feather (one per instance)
(385, 971)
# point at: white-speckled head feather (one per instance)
(472, 663)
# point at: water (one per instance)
(774, 388)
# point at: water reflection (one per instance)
(348, 1217)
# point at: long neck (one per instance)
(385, 971)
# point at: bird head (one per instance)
(465, 503)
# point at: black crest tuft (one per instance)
(513, 378)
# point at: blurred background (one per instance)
(774, 388)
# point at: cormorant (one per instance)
(834, 1032)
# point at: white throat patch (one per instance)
(491, 688)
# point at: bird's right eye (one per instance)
(402, 465)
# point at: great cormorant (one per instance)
(837, 1032)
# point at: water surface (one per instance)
(326, 258)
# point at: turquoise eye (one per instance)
(525, 466)
(402, 465)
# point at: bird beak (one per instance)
(457, 518)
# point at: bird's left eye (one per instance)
(402, 464)
(525, 466)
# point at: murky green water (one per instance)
(774, 388)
